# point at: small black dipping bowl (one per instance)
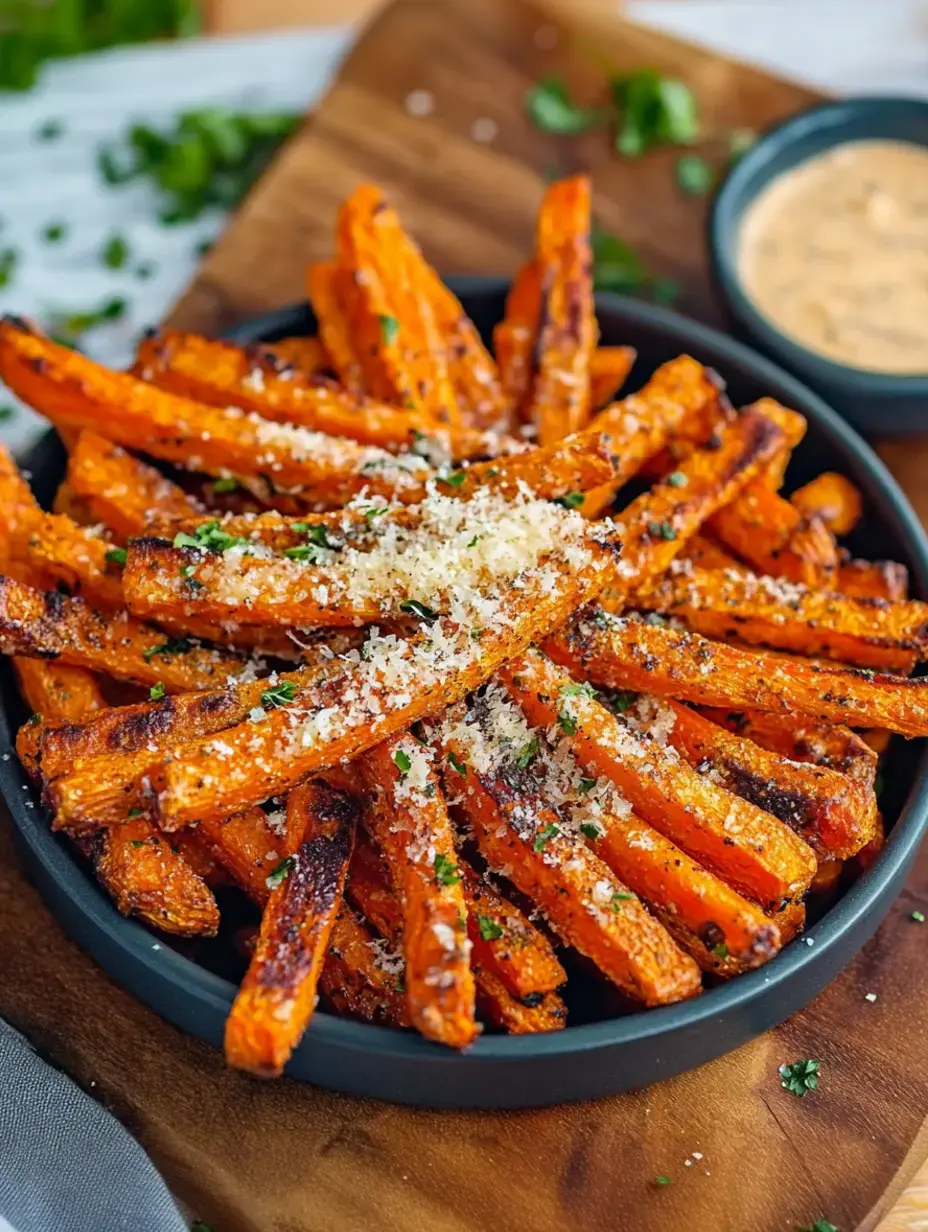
(192, 984)
(876, 403)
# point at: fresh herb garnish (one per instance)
(137, 842)
(551, 109)
(115, 252)
(453, 479)
(661, 1180)
(578, 688)
(526, 754)
(50, 130)
(54, 232)
(567, 724)
(820, 1225)
(570, 500)
(389, 329)
(740, 141)
(133, 813)
(7, 413)
(402, 761)
(415, 608)
(618, 899)
(68, 327)
(446, 871)
(375, 511)
(617, 267)
(225, 484)
(456, 764)
(303, 551)
(173, 646)
(210, 537)
(9, 259)
(720, 950)
(156, 692)
(116, 556)
(209, 157)
(34, 719)
(585, 786)
(799, 1077)
(654, 111)
(677, 479)
(489, 929)
(278, 695)
(144, 270)
(589, 829)
(551, 830)
(279, 873)
(918, 917)
(662, 530)
(694, 175)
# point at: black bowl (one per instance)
(598, 1057)
(878, 403)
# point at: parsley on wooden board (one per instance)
(551, 109)
(799, 1076)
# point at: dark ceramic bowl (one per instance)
(875, 403)
(191, 985)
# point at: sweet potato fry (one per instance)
(515, 337)
(505, 942)
(72, 390)
(834, 813)
(633, 654)
(407, 815)
(306, 355)
(774, 537)
(708, 554)
(559, 403)
(329, 286)
(246, 846)
(121, 491)
(254, 379)
(656, 526)
(87, 563)
(71, 504)
(141, 871)
(17, 504)
(733, 838)
(801, 739)
(509, 969)
(609, 368)
(394, 683)
(49, 625)
(873, 579)
(789, 616)
(583, 901)
(831, 498)
(402, 352)
(277, 996)
(361, 977)
(681, 392)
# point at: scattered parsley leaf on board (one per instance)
(695, 175)
(115, 252)
(799, 1076)
(653, 111)
(7, 413)
(551, 109)
(9, 259)
(55, 232)
(820, 1225)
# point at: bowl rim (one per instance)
(737, 191)
(189, 980)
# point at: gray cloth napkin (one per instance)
(67, 1165)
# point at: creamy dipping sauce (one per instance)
(834, 253)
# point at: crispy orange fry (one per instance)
(708, 554)
(583, 901)
(801, 739)
(751, 850)
(609, 368)
(46, 624)
(358, 980)
(509, 970)
(306, 355)
(833, 499)
(632, 654)
(144, 875)
(402, 352)
(221, 374)
(873, 579)
(71, 504)
(680, 392)
(789, 616)
(515, 337)
(411, 826)
(330, 286)
(17, 504)
(559, 403)
(86, 562)
(774, 537)
(277, 996)
(834, 813)
(121, 491)
(656, 526)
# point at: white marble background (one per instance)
(850, 46)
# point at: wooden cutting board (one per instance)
(742, 1154)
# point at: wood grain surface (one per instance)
(742, 1154)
